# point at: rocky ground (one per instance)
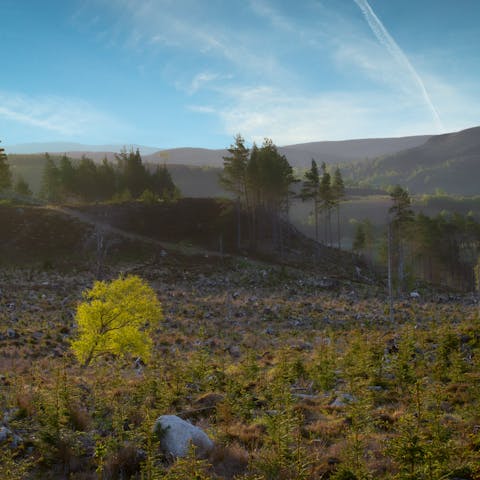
(292, 372)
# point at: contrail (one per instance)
(389, 43)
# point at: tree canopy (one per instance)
(260, 179)
(5, 173)
(114, 319)
(89, 181)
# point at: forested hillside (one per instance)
(449, 162)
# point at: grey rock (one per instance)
(234, 351)
(12, 333)
(342, 400)
(7, 436)
(176, 435)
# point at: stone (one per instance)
(5, 433)
(234, 351)
(176, 435)
(12, 333)
(342, 400)
(7, 436)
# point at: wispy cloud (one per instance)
(268, 12)
(256, 88)
(264, 111)
(63, 116)
(385, 39)
(201, 80)
(163, 23)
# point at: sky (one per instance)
(177, 73)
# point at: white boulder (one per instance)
(176, 436)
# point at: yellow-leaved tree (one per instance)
(115, 318)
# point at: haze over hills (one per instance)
(344, 151)
(299, 155)
(70, 148)
(449, 162)
(424, 164)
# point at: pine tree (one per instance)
(5, 173)
(401, 210)
(132, 176)
(67, 176)
(327, 202)
(106, 180)
(254, 188)
(338, 193)
(234, 178)
(86, 180)
(401, 217)
(51, 187)
(311, 190)
(163, 183)
(360, 238)
(22, 188)
(234, 175)
(136, 177)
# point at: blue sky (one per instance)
(172, 73)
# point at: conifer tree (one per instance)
(86, 180)
(261, 183)
(311, 190)
(401, 217)
(234, 177)
(136, 178)
(67, 176)
(327, 202)
(254, 188)
(5, 173)
(22, 188)
(51, 186)
(106, 180)
(338, 193)
(162, 184)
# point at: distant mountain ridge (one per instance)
(424, 164)
(69, 147)
(299, 155)
(448, 162)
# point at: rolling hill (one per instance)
(449, 162)
(423, 164)
(298, 155)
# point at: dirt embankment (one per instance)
(187, 227)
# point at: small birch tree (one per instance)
(115, 318)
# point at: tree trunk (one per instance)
(239, 232)
(338, 228)
(390, 283)
(400, 273)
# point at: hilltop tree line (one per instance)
(261, 180)
(6, 182)
(85, 180)
(68, 179)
